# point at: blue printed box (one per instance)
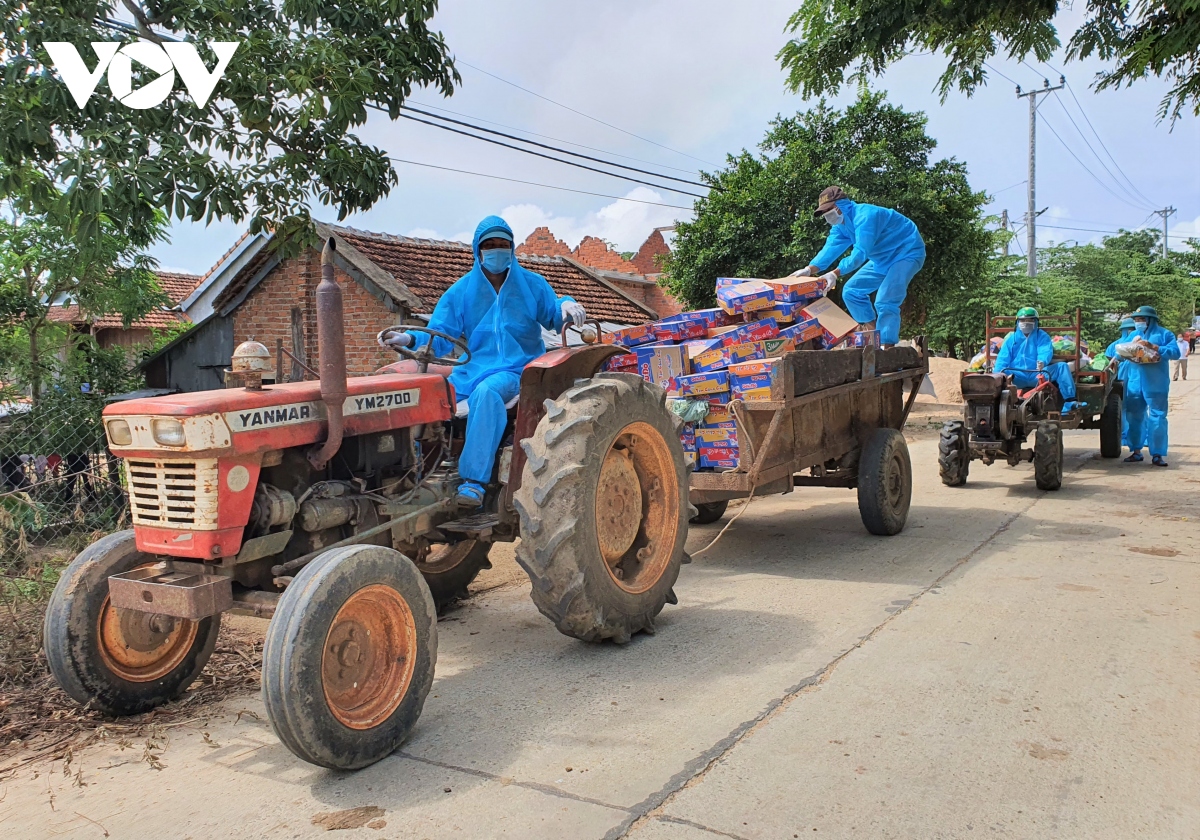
(699, 384)
(749, 381)
(746, 297)
(718, 463)
(803, 331)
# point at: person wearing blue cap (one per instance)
(1147, 387)
(1127, 328)
(499, 308)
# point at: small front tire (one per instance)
(1110, 424)
(954, 454)
(1048, 456)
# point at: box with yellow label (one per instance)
(745, 297)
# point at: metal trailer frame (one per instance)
(822, 430)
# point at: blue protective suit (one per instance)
(887, 252)
(504, 334)
(1021, 353)
(1122, 376)
(1146, 393)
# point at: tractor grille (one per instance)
(173, 494)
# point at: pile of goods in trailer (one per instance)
(707, 358)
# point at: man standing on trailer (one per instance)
(887, 253)
(499, 308)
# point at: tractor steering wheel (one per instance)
(423, 355)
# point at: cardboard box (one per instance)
(710, 360)
(740, 384)
(774, 347)
(863, 338)
(835, 323)
(690, 459)
(662, 364)
(717, 317)
(718, 463)
(745, 297)
(680, 330)
(760, 366)
(803, 331)
(728, 444)
(797, 289)
(622, 362)
(718, 413)
(755, 395)
(738, 353)
(697, 346)
(752, 331)
(698, 384)
(630, 336)
(708, 434)
(725, 282)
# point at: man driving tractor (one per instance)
(499, 308)
(1028, 352)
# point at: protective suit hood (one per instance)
(488, 227)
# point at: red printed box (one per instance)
(682, 330)
(699, 384)
(761, 366)
(796, 289)
(630, 336)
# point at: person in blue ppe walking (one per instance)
(887, 251)
(1127, 328)
(1029, 349)
(499, 307)
(1146, 389)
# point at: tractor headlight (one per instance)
(167, 431)
(118, 433)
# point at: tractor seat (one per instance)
(462, 408)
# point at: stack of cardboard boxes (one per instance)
(730, 352)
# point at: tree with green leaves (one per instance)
(758, 220)
(840, 40)
(275, 136)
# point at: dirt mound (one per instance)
(944, 373)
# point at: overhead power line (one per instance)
(1079, 105)
(1098, 230)
(582, 114)
(1133, 200)
(1103, 185)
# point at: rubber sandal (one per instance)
(1159, 461)
(1134, 457)
(469, 495)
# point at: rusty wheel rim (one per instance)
(141, 647)
(637, 508)
(369, 657)
(437, 558)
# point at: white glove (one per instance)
(574, 312)
(830, 279)
(393, 339)
(807, 271)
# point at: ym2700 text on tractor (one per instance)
(329, 507)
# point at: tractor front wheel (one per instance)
(954, 454)
(604, 508)
(349, 657)
(1048, 456)
(1110, 424)
(122, 662)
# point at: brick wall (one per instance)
(266, 314)
(660, 300)
(596, 253)
(635, 290)
(646, 258)
(543, 243)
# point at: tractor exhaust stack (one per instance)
(331, 347)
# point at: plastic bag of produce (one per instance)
(690, 411)
(1100, 362)
(1139, 350)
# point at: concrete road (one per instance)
(1015, 664)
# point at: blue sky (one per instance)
(701, 78)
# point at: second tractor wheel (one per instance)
(449, 568)
(1111, 420)
(349, 657)
(121, 662)
(884, 483)
(604, 508)
(954, 454)
(710, 512)
(1048, 456)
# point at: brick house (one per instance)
(254, 294)
(109, 331)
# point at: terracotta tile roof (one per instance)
(176, 285)
(428, 267)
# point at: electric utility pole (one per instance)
(1165, 212)
(1031, 214)
(1004, 227)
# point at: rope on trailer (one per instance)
(729, 524)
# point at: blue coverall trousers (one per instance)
(891, 285)
(1058, 373)
(486, 418)
(1146, 415)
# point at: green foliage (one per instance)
(760, 222)
(276, 134)
(856, 39)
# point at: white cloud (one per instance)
(1184, 229)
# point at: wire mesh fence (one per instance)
(57, 478)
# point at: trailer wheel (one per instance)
(349, 657)
(1048, 456)
(709, 512)
(884, 483)
(1110, 424)
(122, 662)
(954, 454)
(449, 568)
(604, 508)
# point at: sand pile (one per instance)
(944, 374)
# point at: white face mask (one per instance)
(1026, 327)
(834, 216)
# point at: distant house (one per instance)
(109, 331)
(253, 293)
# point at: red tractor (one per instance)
(328, 506)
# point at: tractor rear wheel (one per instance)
(349, 657)
(884, 483)
(1110, 424)
(604, 508)
(954, 454)
(709, 512)
(1048, 456)
(448, 568)
(122, 662)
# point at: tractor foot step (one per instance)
(479, 526)
(163, 590)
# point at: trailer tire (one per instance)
(121, 662)
(1110, 424)
(954, 454)
(1048, 456)
(709, 512)
(349, 657)
(604, 508)
(884, 483)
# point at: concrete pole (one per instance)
(1031, 213)
(1004, 226)
(1166, 213)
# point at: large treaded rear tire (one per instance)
(574, 585)
(884, 483)
(1048, 456)
(121, 662)
(1110, 424)
(449, 569)
(954, 456)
